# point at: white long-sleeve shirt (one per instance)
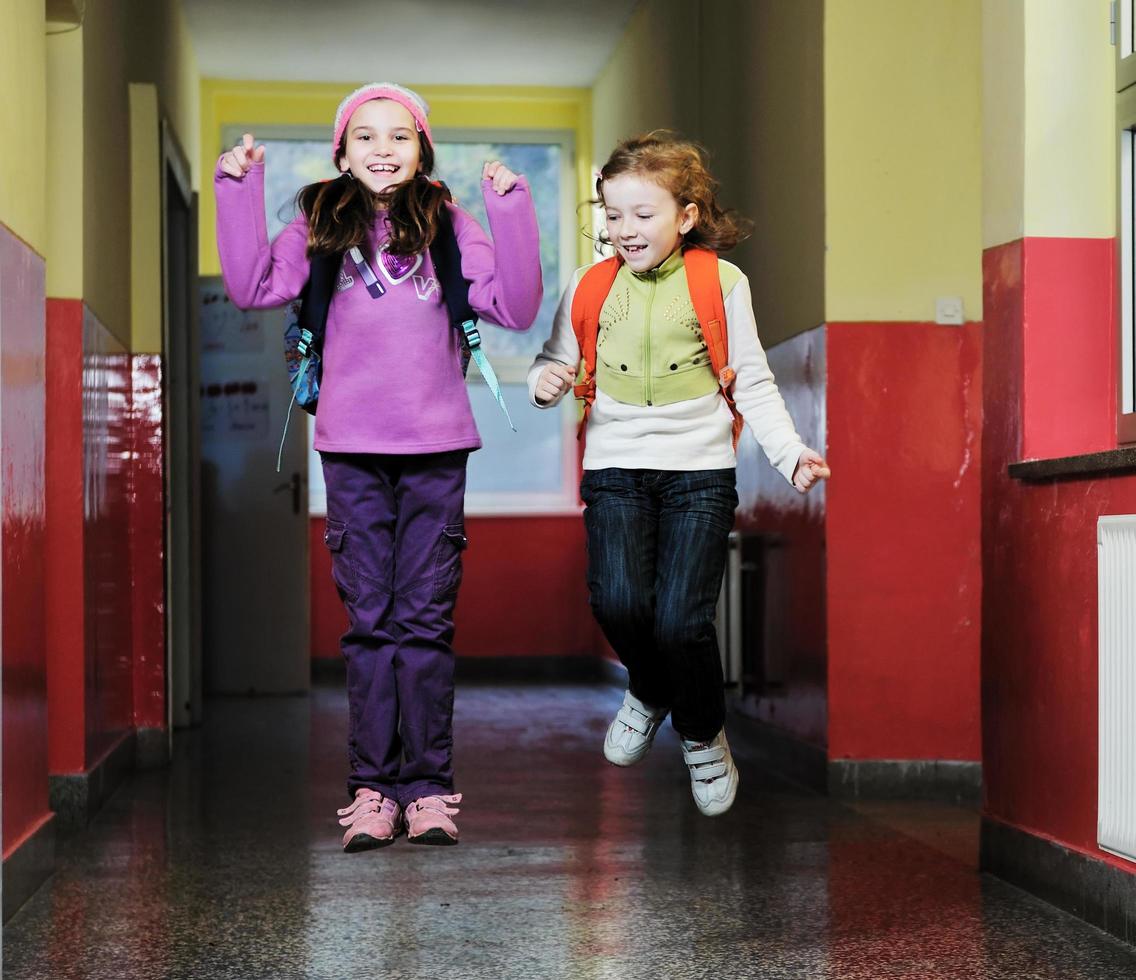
(695, 434)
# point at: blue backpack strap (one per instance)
(473, 341)
(446, 256)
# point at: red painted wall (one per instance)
(23, 513)
(328, 618)
(106, 516)
(1068, 396)
(770, 505)
(904, 558)
(65, 594)
(879, 571)
(1039, 633)
(147, 544)
(523, 590)
(90, 585)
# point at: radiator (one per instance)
(729, 615)
(750, 616)
(1116, 595)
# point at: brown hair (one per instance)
(680, 167)
(340, 212)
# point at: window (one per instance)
(533, 470)
(1127, 182)
(1126, 197)
(1124, 13)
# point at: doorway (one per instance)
(182, 448)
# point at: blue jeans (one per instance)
(657, 543)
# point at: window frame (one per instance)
(509, 370)
(1126, 223)
(1124, 14)
(514, 370)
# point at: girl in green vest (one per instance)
(662, 392)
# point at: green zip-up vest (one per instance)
(650, 349)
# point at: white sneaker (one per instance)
(713, 775)
(631, 733)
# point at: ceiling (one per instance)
(424, 42)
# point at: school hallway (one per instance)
(928, 661)
(228, 865)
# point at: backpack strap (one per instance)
(587, 302)
(446, 256)
(706, 296)
(315, 301)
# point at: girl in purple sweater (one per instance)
(394, 426)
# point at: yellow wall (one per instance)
(1049, 111)
(651, 80)
(226, 103)
(903, 158)
(23, 108)
(745, 79)
(1070, 111)
(762, 117)
(64, 159)
(1003, 121)
(106, 172)
(167, 61)
(125, 42)
(146, 311)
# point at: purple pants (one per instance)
(396, 532)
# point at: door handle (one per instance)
(295, 486)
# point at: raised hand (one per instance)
(504, 180)
(239, 160)
(811, 468)
(554, 380)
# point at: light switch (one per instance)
(948, 309)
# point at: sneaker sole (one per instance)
(624, 761)
(365, 842)
(433, 836)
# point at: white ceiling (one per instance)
(415, 42)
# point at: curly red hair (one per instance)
(680, 167)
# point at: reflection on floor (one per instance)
(229, 865)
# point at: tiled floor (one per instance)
(228, 865)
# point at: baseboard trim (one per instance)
(863, 779)
(29, 866)
(531, 669)
(777, 750)
(151, 748)
(945, 781)
(77, 797)
(564, 669)
(614, 672)
(1092, 890)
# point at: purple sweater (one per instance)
(392, 380)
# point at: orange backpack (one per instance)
(705, 295)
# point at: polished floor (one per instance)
(229, 865)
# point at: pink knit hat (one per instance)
(411, 101)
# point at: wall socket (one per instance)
(948, 309)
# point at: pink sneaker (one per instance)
(371, 821)
(428, 820)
